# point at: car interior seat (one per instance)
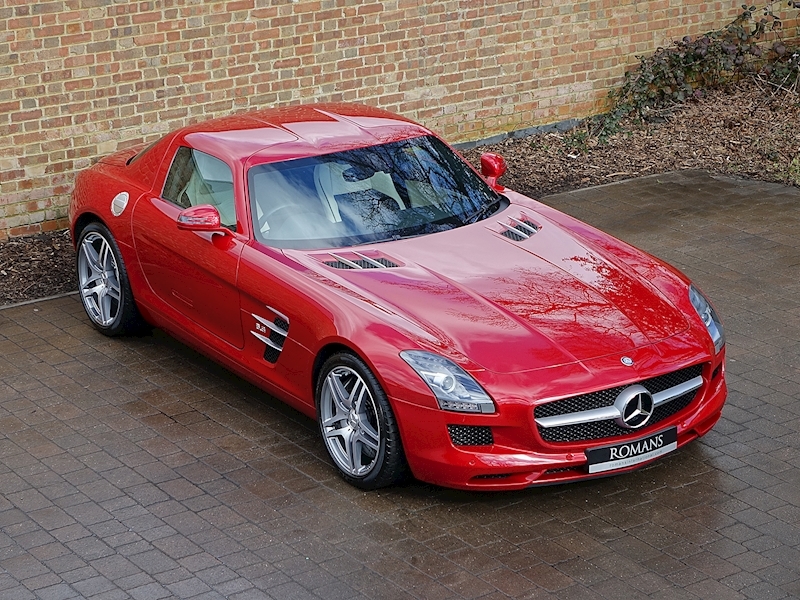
(330, 183)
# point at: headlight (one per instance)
(453, 387)
(709, 317)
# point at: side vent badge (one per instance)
(273, 333)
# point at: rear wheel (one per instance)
(358, 425)
(103, 283)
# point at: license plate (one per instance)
(632, 453)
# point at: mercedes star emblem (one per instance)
(635, 406)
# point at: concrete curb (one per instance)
(560, 126)
(26, 302)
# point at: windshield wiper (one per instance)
(484, 210)
(378, 240)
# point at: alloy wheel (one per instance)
(99, 281)
(349, 419)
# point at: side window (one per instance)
(199, 178)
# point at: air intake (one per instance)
(361, 262)
(273, 333)
(471, 435)
(519, 229)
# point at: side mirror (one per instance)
(200, 218)
(492, 168)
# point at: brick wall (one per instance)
(82, 78)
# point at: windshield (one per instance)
(391, 191)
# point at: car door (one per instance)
(193, 272)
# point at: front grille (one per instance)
(471, 435)
(604, 429)
(607, 397)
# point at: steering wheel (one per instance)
(275, 218)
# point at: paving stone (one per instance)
(136, 468)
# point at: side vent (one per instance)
(361, 261)
(273, 333)
(519, 229)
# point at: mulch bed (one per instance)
(36, 266)
(746, 131)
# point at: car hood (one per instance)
(506, 304)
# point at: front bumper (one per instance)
(518, 456)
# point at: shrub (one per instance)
(692, 66)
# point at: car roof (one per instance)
(297, 131)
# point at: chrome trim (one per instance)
(515, 230)
(349, 263)
(371, 261)
(267, 341)
(274, 327)
(679, 390)
(605, 413)
(640, 401)
(612, 412)
(270, 325)
(525, 225)
(279, 314)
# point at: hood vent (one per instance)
(519, 229)
(361, 262)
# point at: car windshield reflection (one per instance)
(390, 191)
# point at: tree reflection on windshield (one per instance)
(391, 191)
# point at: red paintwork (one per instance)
(200, 218)
(493, 166)
(532, 322)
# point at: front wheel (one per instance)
(103, 283)
(358, 425)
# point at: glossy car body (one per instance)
(535, 306)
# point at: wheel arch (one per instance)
(376, 360)
(379, 349)
(324, 354)
(126, 318)
(80, 224)
(390, 460)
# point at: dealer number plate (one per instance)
(632, 453)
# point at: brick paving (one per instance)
(135, 468)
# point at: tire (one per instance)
(357, 424)
(103, 283)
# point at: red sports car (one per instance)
(348, 261)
